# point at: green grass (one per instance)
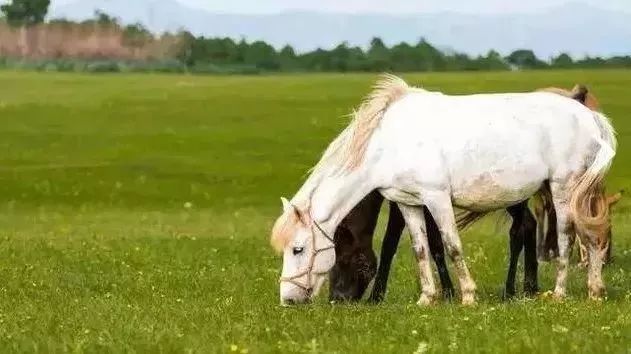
(98, 252)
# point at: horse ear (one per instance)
(286, 204)
(288, 207)
(579, 93)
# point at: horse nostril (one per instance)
(309, 291)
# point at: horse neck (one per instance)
(337, 194)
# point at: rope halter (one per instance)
(308, 285)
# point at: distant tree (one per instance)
(379, 55)
(525, 59)
(262, 55)
(339, 58)
(103, 19)
(136, 35)
(61, 22)
(288, 59)
(316, 60)
(492, 61)
(404, 57)
(25, 12)
(562, 61)
(619, 61)
(591, 62)
(184, 49)
(431, 58)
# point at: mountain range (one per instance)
(575, 28)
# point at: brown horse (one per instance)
(356, 261)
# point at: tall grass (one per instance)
(81, 41)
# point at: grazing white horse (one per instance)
(477, 152)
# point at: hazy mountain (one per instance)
(575, 28)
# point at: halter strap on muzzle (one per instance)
(309, 271)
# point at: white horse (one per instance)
(477, 152)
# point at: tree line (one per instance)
(186, 52)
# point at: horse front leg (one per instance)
(516, 245)
(415, 221)
(522, 235)
(437, 249)
(439, 205)
(396, 223)
(531, 266)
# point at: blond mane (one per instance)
(366, 118)
(344, 153)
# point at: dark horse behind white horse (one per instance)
(356, 264)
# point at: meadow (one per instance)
(135, 213)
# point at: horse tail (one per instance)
(588, 204)
(386, 91)
(465, 218)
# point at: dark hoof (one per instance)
(531, 290)
(375, 299)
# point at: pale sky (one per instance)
(387, 6)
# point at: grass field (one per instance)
(135, 214)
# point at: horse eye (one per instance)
(298, 250)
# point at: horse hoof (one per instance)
(559, 295)
(374, 300)
(425, 300)
(532, 293)
(596, 293)
(468, 299)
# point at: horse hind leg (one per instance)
(565, 229)
(540, 216)
(416, 225)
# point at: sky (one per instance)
(387, 6)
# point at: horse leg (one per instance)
(582, 252)
(565, 229)
(540, 216)
(439, 205)
(531, 265)
(416, 225)
(552, 242)
(396, 223)
(437, 250)
(595, 260)
(516, 245)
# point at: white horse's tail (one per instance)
(588, 204)
(388, 90)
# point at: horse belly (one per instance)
(494, 190)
